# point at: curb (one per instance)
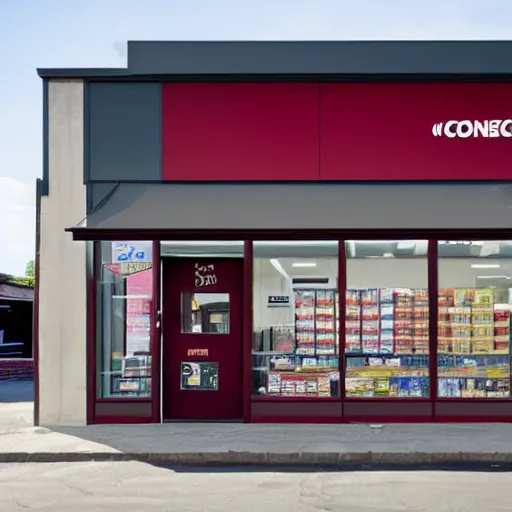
(267, 459)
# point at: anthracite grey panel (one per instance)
(319, 57)
(281, 206)
(146, 58)
(124, 132)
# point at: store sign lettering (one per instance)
(131, 251)
(194, 352)
(205, 275)
(466, 129)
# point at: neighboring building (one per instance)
(277, 231)
(16, 313)
(16, 307)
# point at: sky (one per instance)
(93, 33)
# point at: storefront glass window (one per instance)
(124, 293)
(386, 329)
(295, 349)
(474, 318)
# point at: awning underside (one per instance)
(304, 207)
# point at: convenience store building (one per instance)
(277, 231)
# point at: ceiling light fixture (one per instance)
(304, 264)
(406, 244)
(374, 242)
(485, 265)
(461, 242)
(277, 265)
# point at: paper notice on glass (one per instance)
(138, 320)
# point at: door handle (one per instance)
(158, 317)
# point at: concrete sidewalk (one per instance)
(263, 444)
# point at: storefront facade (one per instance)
(277, 232)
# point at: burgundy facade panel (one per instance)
(127, 409)
(331, 131)
(385, 131)
(382, 410)
(474, 410)
(240, 132)
(281, 410)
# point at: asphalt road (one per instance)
(133, 486)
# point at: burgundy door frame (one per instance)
(247, 327)
(156, 334)
(442, 409)
(226, 403)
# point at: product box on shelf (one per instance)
(370, 321)
(353, 321)
(325, 322)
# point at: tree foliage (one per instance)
(20, 281)
(29, 270)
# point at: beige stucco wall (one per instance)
(62, 286)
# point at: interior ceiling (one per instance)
(325, 255)
(325, 267)
(329, 249)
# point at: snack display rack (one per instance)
(473, 344)
(387, 343)
(309, 368)
(315, 322)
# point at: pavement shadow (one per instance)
(463, 468)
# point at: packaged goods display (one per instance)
(306, 365)
(387, 343)
(387, 321)
(315, 322)
(473, 344)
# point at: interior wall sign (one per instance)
(465, 129)
(278, 301)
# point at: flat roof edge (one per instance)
(338, 42)
(97, 75)
(151, 59)
(80, 72)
